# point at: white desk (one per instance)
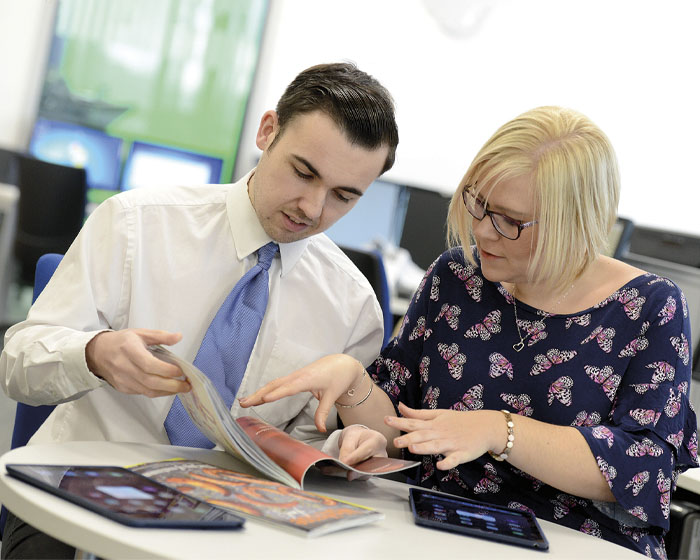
(394, 537)
(690, 480)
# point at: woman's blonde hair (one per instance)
(573, 169)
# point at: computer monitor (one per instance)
(79, 146)
(149, 165)
(425, 225)
(377, 216)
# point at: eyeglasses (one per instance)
(507, 227)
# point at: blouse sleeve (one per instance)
(650, 436)
(397, 371)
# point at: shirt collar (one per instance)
(248, 234)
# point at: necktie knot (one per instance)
(266, 253)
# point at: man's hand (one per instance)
(123, 360)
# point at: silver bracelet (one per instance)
(361, 401)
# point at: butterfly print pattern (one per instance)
(663, 371)
(673, 404)
(644, 447)
(604, 377)
(418, 330)
(642, 388)
(580, 320)
(631, 302)
(644, 416)
(521, 403)
(553, 357)
(500, 366)
(435, 289)
(675, 439)
(451, 314)
(680, 344)
(684, 305)
(639, 513)
(668, 311)
(535, 330)
(455, 359)
(471, 400)
(609, 472)
(638, 481)
(517, 506)
(603, 336)
(592, 528)
(431, 397)
(634, 381)
(585, 419)
(490, 482)
(561, 391)
(601, 432)
(490, 325)
(636, 345)
(693, 447)
(397, 371)
(664, 486)
(423, 368)
(467, 274)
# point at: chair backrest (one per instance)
(51, 210)
(371, 264)
(8, 166)
(28, 418)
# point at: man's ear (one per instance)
(269, 126)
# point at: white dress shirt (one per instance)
(167, 259)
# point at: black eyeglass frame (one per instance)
(520, 225)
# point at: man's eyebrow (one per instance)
(306, 163)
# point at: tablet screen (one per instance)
(452, 513)
(125, 496)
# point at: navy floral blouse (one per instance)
(619, 372)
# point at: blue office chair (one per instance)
(28, 418)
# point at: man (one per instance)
(154, 266)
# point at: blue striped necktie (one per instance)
(227, 345)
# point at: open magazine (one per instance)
(266, 500)
(271, 451)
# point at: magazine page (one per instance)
(270, 450)
(296, 457)
(256, 498)
(209, 413)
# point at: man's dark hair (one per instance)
(357, 103)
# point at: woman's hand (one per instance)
(327, 379)
(461, 436)
(358, 443)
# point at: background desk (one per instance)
(394, 537)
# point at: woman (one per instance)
(531, 370)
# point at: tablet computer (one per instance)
(477, 519)
(125, 496)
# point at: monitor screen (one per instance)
(149, 165)
(378, 215)
(425, 227)
(79, 146)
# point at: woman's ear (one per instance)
(267, 131)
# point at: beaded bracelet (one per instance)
(503, 455)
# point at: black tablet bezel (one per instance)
(214, 517)
(417, 495)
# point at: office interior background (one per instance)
(457, 69)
